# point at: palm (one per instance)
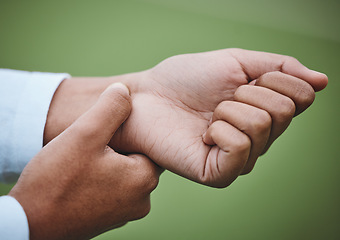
(173, 111)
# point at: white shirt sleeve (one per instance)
(24, 102)
(13, 220)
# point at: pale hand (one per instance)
(174, 102)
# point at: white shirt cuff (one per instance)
(25, 100)
(13, 220)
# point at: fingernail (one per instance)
(210, 122)
(203, 136)
(121, 86)
(253, 82)
(315, 71)
(320, 73)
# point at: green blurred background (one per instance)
(293, 192)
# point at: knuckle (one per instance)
(288, 60)
(291, 59)
(305, 96)
(241, 144)
(261, 122)
(151, 182)
(285, 109)
(235, 50)
(147, 180)
(84, 130)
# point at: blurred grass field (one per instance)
(293, 192)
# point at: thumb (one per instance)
(255, 64)
(101, 121)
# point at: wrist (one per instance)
(76, 95)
